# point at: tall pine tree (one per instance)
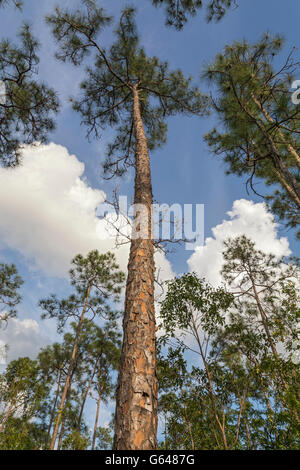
(134, 94)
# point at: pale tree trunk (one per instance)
(86, 394)
(9, 412)
(97, 417)
(281, 179)
(289, 189)
(63, 421)
(269, 118)
(271, 342)
(69, 374)
(277, 159)
(136, 404)
(220, 425)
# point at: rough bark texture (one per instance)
(136, 409)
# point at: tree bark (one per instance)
(136, 405)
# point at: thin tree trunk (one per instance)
(62, 427)
(264, 319)
(188, 424)
(136, 405)
(289, 189)
(97, 417)
(271, 341)
(86, 394)
(70, 370)
(54, 407)
(277, 160)
(9, 412)
(211, 390)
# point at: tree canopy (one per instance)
(259, 121)
(27, 106)
(107, 98)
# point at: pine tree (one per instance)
(96, 279)
(134, 94)
(242, 395)
(27, 106)
(260, 137)
(191, 313)
(268, 291)
(21, 390)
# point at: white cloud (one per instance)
(247, 218)
(48, 212)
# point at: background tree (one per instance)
(268, 291)
(27, 106)
(133, 93)
(17, 3)
(10, 283)
(21, 391)
(104, 440)
(177, 11)
(190, 313)
(92, 379)
(53, 362)
(260, 137)
(245, 392)
(96, 280)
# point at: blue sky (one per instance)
(183, 171)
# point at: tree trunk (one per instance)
(277, 159)
(54, 407)
(63, 421)
(9, 412)
(86, 394)
(97, 417)
(269, 118)
(69, 374)
(210, 383)
(136, 405)
(271, 343)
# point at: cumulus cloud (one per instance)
(48, 212)
(248, 218)
(23, 337)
